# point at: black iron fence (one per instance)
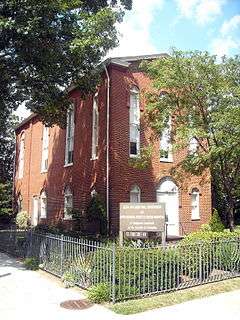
(128, 271)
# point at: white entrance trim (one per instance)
(35, 211)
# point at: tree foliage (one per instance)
(202, 95)
(7, 151)
(48, 45)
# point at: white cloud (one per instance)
(203, 11)
(228, 40)
(223, 46)
(230, 25)
(135, 37)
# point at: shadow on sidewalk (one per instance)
(9, 262)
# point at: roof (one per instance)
(26, 120)
(125, 61)
(142, 57)
(121, 61)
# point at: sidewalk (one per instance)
(34, 295)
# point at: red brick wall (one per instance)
(123, 176)
(86, 174)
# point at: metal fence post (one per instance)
(113, 273)
(200, 262)
(31, 243)
(61, 255)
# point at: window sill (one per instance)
(68, 165)
(68, 218)
(43, 171)
(134, 156)
(195, 219)
(166, 160)
(94, 158)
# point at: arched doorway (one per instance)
(167, 193)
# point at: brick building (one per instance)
(58, 169)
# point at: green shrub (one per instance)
(201, 236)
(203, 251)
(96, 212)
(31, 263)
(99, 293)
(215, 223)
(22, 220)
(228, 255)
(205, 227)
(139, 271)
(195, 257)
(69, 279)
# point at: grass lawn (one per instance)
(167, 299)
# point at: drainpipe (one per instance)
(107, 150)
(29, 167)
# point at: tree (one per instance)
(48, 45)
(7, 151)
(202, 95)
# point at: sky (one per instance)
(156, 26)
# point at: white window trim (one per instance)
(21, 156)
(95, 128)
(195, 216)
(68, 165)
(72, 109)
(45, 147)
(134, 91)
(167, 131)
(134, 155)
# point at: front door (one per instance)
(35, 211)
(167, 193)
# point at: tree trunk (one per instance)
(231, 217)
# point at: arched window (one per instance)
(95, 127)
(45, 142)
(165, 143)
(68, 203)
(193, 146)
(21, 156)
(135, 194)
(134, 122)
(195, 204)
(93, 193)
(43, 205)
(19, 202)
(167, 185)
(69, 136)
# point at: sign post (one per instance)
(137, 219)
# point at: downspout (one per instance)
(29, 167)
(107, 151)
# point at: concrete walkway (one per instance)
(31, 295)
